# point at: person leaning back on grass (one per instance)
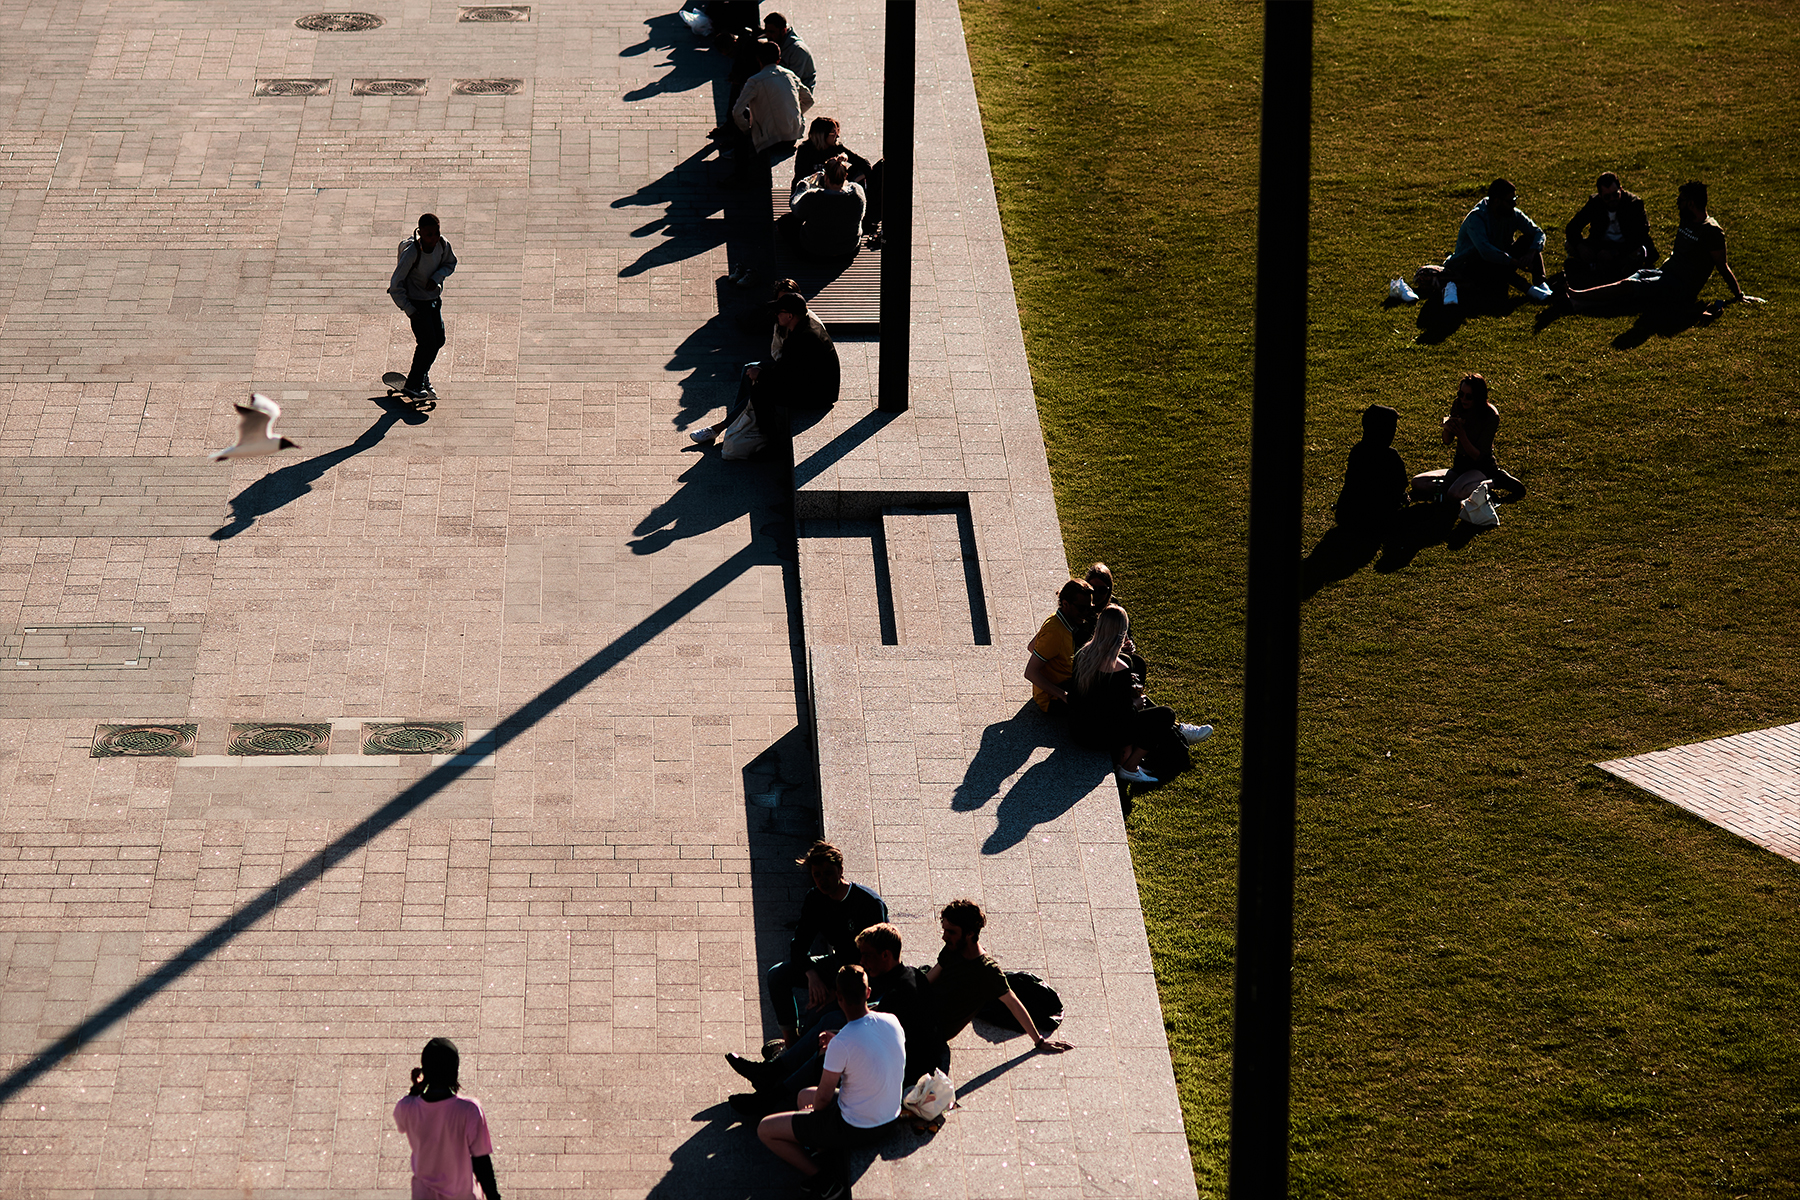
(1699, 250)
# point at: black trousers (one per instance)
(428, 328)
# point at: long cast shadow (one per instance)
(687, 62)
(1046, 790)
(690, 198)
(365, 831)
(283, 487)
(834, 451)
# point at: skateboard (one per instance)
(394, 381)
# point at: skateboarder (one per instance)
(417, 286)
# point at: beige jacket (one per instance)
(772, 107)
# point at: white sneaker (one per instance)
(1539, 292)
(1193, 735)
(704, 434)
(1137, 776)
(1450, 293)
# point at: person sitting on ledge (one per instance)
(802, 372)
(835, 911)
(858, 1097)
(1375, 478)
(1470, 427)
(826, 213)
(1494, 243)
(1618, 235)
(965, 980)
(824, 141)
(1699, 250)
(1052, 650)
(772, 107)
(1108, 708)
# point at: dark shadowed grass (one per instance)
(1513, 975)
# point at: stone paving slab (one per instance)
(584, 905)
(1748, 783)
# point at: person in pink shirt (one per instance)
(448, 1133)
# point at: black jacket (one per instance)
(905, 994)
(806, 374)
(1632, 221)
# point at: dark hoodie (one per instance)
(1375, 480)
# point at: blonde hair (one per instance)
(1103, 648)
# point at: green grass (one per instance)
(1513, 975)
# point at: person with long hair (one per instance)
(451, 1147)
(1109, 710)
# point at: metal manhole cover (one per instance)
(486, 87)
(387, 87)
(279, 737)
(292, 87)
(412, 737)
(144, 741)
(494, 12)
(340, 22)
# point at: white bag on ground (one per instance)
(1479, 508)
(931, 1097)
(698, 23)
(742, 439)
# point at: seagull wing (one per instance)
(256, 420)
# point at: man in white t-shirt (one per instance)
(858, 1095)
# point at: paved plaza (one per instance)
(1748, 783)
(633, 680)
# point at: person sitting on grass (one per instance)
(1495, 242)
(1052, 649)
(1108, 709)
(1699, 250)
(1470, 427)
(826, 212)
(858, 1097)
(1618, 235)
(1375, 479)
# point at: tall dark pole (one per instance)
(898, 86)
(1265, 919)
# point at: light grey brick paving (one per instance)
(1748, 784)
(585, 911)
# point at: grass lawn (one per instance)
(1513, 976)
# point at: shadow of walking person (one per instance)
(283, 487)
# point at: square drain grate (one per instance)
(387, 87)
(494, 12)
(413, 737)
(150, 740)
(73, 648)
(259, 738)
(292, 87)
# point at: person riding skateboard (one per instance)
(417, 286)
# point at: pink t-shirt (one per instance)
(445, 1135)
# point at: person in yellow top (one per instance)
(1052, 659)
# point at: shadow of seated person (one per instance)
(825, 217)
(1374, 492)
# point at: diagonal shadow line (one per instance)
(272, 897)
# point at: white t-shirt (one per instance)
(870, 1054)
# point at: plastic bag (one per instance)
(931, 1097)
(698, 23)
(742, 438)
(1479, 508)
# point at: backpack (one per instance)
(1038, 997)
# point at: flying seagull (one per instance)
(256, 431)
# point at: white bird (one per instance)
(256, 431)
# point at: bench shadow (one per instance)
(280, 488)
(688, 68)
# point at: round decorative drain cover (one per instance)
(144, 741)
(340, 22)
(292, 87)
(494, 12)
(412, 737)
(387, 87)
(279, 737)
(487, 87)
